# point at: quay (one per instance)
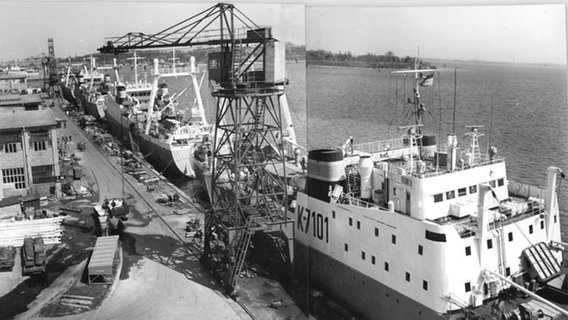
(161, 275)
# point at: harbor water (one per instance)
(523, 108)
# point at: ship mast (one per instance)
(417, 101)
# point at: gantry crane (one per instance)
(252, 123)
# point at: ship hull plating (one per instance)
(68, 95)
(92, 109)
(361, 294)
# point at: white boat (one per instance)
(411, 229)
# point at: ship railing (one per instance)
(351, 199)
(534, 208)
(461, 168)
(171, 71)
(380, 146)
(526, 191)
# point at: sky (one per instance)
(79, 28)
(507, 33)
(512, 33)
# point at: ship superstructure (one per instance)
(146, 117)
(409, 229)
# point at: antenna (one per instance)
(455, 92)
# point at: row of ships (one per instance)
(404, 228)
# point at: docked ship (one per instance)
(408, 228)
(145, 116)
(93, 87)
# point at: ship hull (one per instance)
(175, 160)
(361, 294)
(93, 109)
(68, 95)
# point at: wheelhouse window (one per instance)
(462, 192)
(473, 189)
(438, 197)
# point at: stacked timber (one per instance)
(12, 233)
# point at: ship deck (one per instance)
(509, 211)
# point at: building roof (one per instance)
(19, 100)
(27, 119)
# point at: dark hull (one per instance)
(92, 109)
(68, 95)
(363, 295)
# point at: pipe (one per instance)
(530, 293)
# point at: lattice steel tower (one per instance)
(247, 177)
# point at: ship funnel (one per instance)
(121, 94)
(428, 147)
(107, 78)
(366, 170)
(326, 169)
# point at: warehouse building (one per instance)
(29, 159)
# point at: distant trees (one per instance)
(370, 60)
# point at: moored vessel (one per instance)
(144, 115)
(409, 228)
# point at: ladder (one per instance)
(242, 248)
(271, 205)
(501, 250)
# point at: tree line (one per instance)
(369, 60)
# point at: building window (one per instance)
(363, 255)
(468, 251)
(350, 221)
(43, 174)
(472, 189)
(376, 232)
(14, 176)
(373, 260)
(358, 224)
(450, 195)
(438, 197)
(510, 235)
(489, 243)
(394, 191)
(425, 285)
(393, 239)
(346, 247)
(420, 249)
(467, 287)
(542, 224)
(11, 147)
(462, 192)
(492, 183)
(407, 276)
(501, 182)
(40, 145)
(386, 266)
(530, 228)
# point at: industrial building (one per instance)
(29, 157)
